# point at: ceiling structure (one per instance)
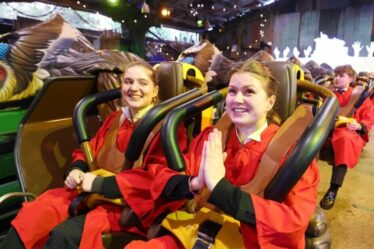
(211, 13)
(184, 14)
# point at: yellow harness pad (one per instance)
(185, 226)
(102, 172)
(95, 199)
(342, 120)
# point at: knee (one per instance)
(64, 236)
(60, 232)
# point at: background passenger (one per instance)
(348, 140)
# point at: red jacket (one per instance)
(278, 225)
(347, 144)
(33, 227)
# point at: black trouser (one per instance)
(338, 174)
(12, 240)
(68, 234)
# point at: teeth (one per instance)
(239, 110)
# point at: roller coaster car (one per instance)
(11, 114)
(41, 148)
(304, 128)
(46, 137)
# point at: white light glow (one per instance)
(42, 11)
(171, 34)
(334, 52)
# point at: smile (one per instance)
(134, 96)
(239, 110)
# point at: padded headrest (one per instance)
(324, 80)
(172, 75)
(363, 79)
(286, 73)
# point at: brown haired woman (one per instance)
(227, 173)
(45, 223)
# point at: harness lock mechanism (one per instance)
(206, 234)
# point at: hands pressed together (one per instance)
(78, 177)
(212, 168)
(354, 126)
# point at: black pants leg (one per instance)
(338, 174)
(67, 234)
(12, 240)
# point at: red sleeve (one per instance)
(142, 187)
(284, 224)
(192, 159)
(365, 114)
(155, 154)
(97, 141)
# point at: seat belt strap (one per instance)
(206, 234)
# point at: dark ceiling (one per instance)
(183, 13)
(210, 12)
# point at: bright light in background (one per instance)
(199, 23)
(165, 12)
(334, 52)
(42, 12)
(170, 34)
(267, 2)
(113, 2)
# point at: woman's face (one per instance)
(247, 102)
(138, 88)
(342, 80)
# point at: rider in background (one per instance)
(349, 139)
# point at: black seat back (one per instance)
(286, 74)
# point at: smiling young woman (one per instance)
(226, 174)
(31, 228)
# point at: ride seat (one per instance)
(43, 143)
(45, 138)
(184, 76)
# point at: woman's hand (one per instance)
(198, 182)
(87, 180)
(214, 168)
(354, 126)
(73, 178)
